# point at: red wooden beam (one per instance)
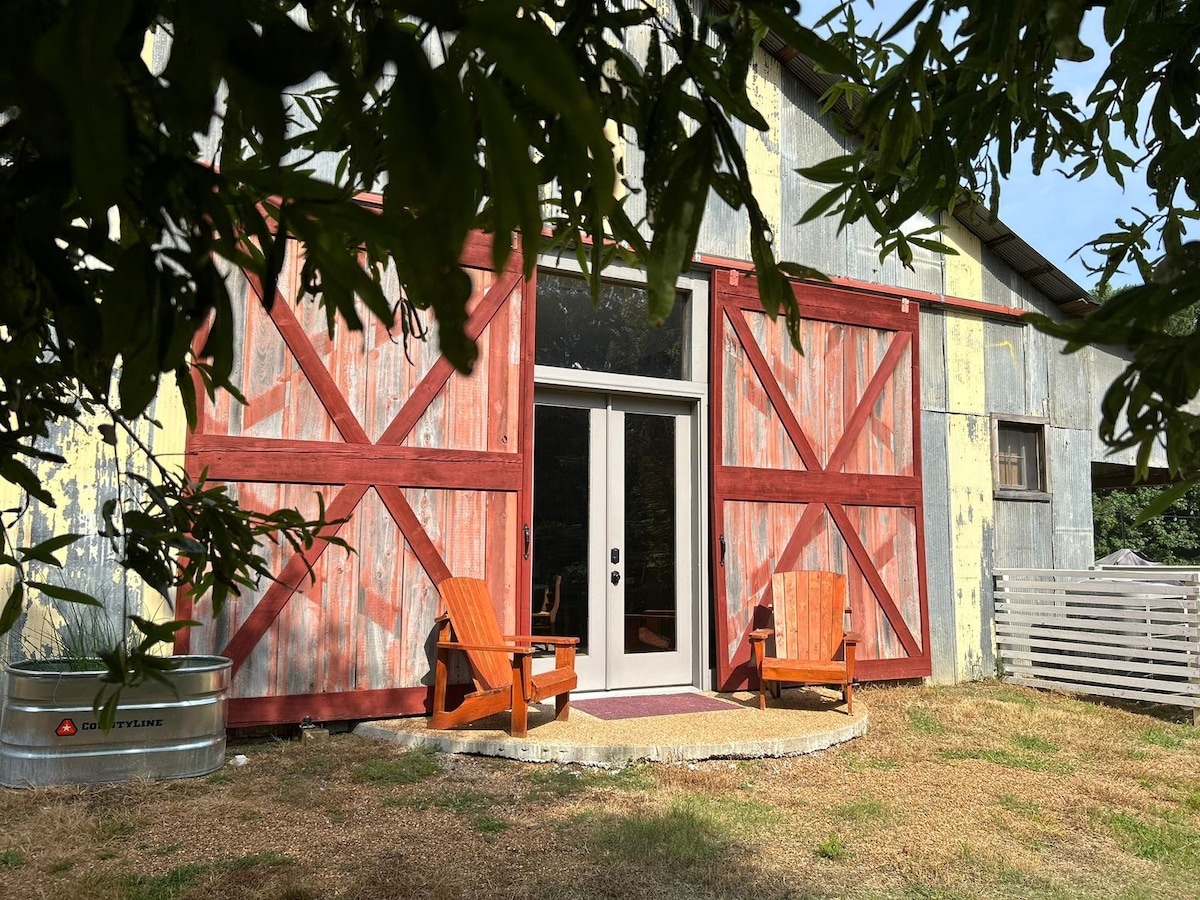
(887, 368)
(758, 362)
(296, 570)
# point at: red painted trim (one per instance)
(823, 303)
(945, 301)
(758, 362)
(892, 669)
(296, 570)
(316, 462)
(776, 486)
(525, 448)
(437, 376)
(418, 539)
(313, 367)
(245, 712)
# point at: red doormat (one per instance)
(652, 705)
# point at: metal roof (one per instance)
(1002, 241)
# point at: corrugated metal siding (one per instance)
(1005, 369)
(805, 140)
(1070, 473)
(933, 359)
(1023, 534)
(939, 545)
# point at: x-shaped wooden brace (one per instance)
(343, 504)
(805, 529)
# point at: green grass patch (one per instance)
(681, 840)
(1033, 744)
(1160, 736)
(563, 781)
(1018, 805)
(168, 849)
(922, 720)
(1002, 757)
(170, 885)
(220, 778)
(737, 814)
(488, 824)
(1008, 695)
(833, 847)
(1191, 799)
(407, 768)
(11, 859)
(1165, 842)
(919, 890)
(867, 810)
(60, 865)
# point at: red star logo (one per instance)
(65, 728)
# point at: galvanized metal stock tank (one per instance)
(49, 733)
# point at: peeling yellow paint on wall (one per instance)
(965, 383)
(971, 517)
(964, 271)
(762, 148)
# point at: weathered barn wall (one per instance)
(94, 473)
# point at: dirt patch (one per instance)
(975, 791)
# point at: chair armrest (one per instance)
(542, 639)
(761, 634)
(851, 637)
(486, 648)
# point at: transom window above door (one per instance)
(615, 337)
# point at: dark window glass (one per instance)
(615, 336)
(649, 533)
(560, 522)
(1019, 450)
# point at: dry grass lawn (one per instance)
(977, 791)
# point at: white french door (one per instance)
(613, 531)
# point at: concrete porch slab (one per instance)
(801, 721)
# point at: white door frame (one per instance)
(692, 388)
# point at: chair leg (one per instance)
(440, 677)
(562, 707)
(777, 689)
(848, 696)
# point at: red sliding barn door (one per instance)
(428, 467)
(817, 465)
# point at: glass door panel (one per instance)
(613, 530)
(650, 552)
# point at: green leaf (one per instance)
(69, 595)
(13, 608)
(910, 16)
(677, 221)
(820, 51)
(44, 552)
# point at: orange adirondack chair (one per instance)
(501, 665)
(809, 636)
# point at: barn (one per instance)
(637, 487)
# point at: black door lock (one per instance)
(616, 577)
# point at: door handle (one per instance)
(615, 577)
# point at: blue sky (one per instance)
(1052, 213)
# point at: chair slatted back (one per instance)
(469, 605)
(809, 614)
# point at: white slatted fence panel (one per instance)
(1111, 632)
